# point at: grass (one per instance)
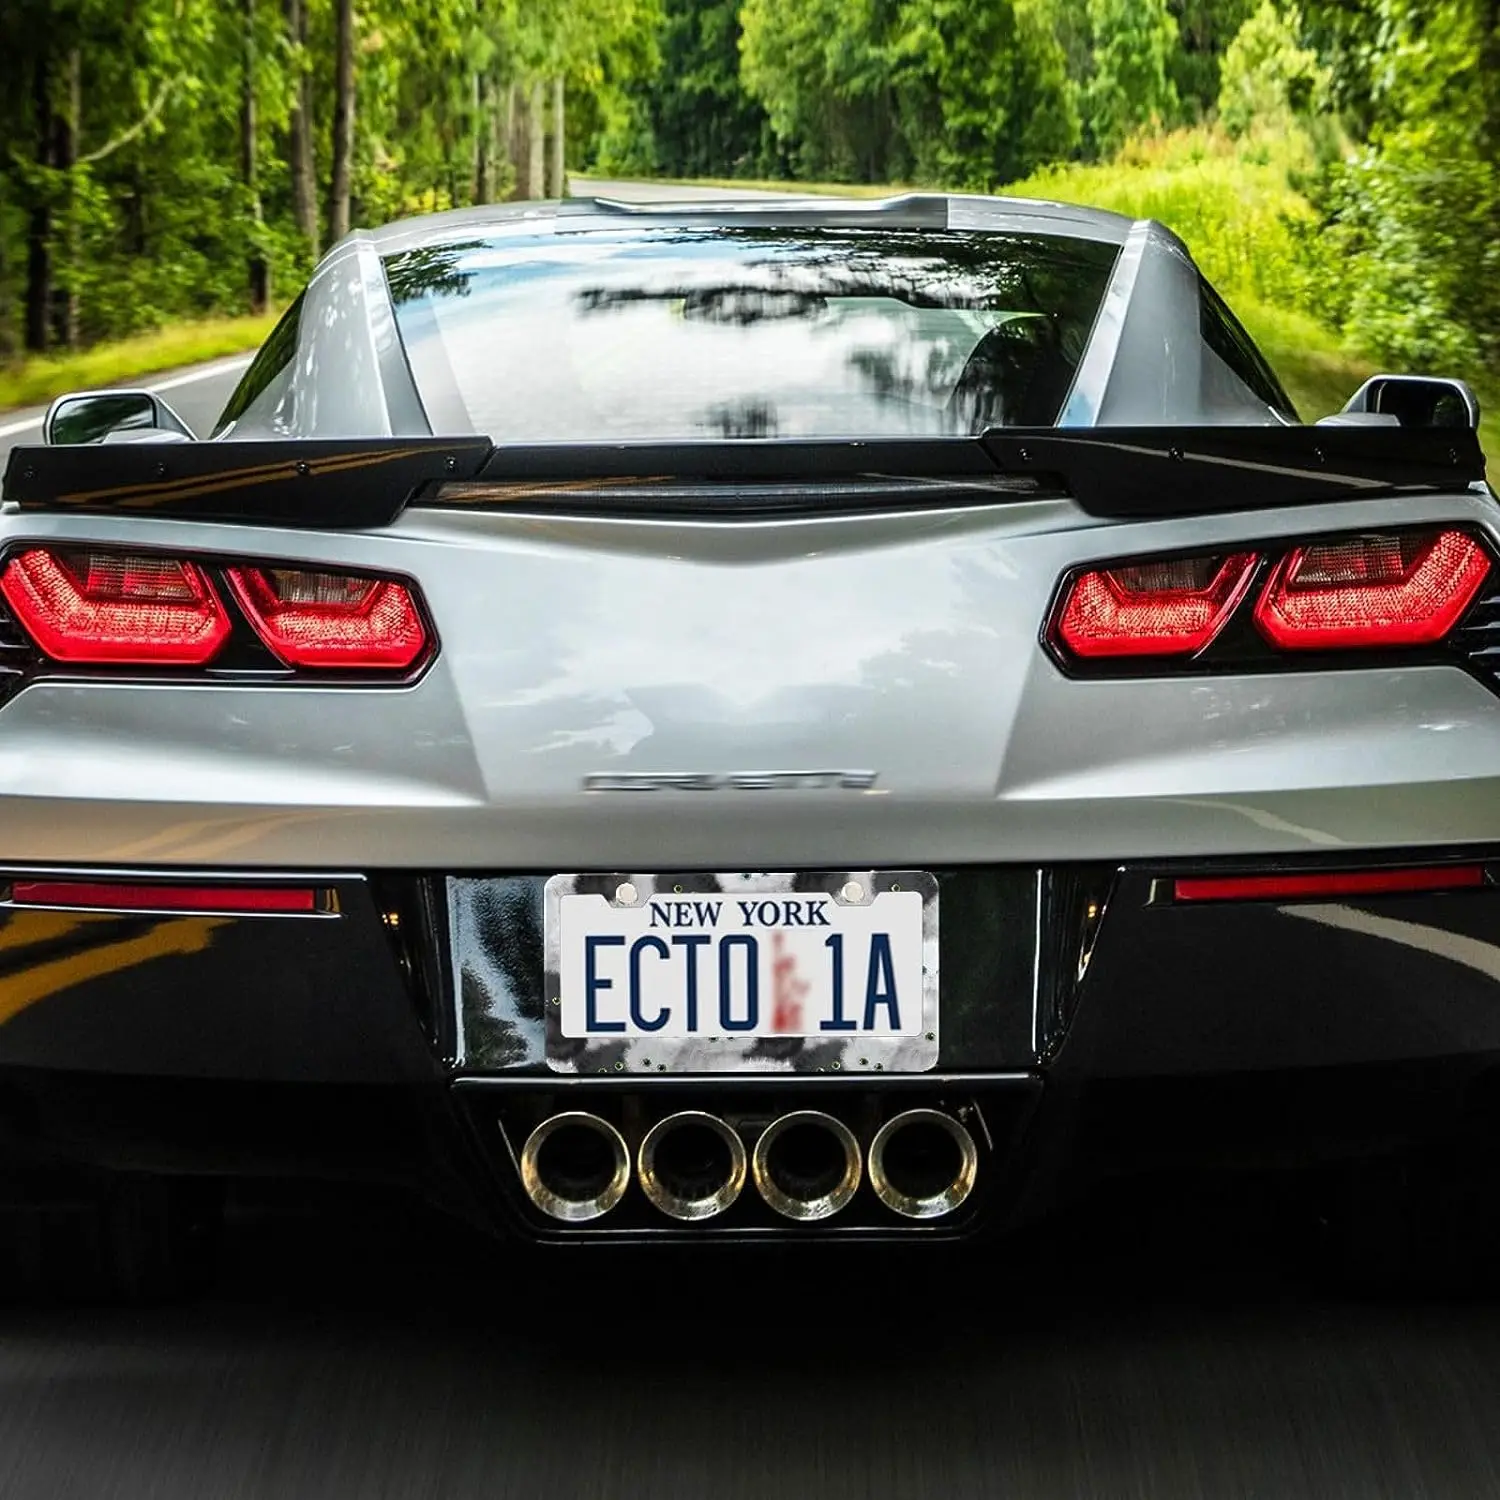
(36, 380)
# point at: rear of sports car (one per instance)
(763, 769)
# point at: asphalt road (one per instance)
(197, 395)
(660, 192)
(1158, 1353)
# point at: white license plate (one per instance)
(832, 972)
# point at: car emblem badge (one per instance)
(735, 781)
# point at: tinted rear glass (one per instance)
(757, 332)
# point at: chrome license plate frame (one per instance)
(850, 899)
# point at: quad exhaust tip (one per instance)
(692, 1165)
(923, 1164)
(574, 1166)
(806, 1165)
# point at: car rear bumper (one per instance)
(1080, 1005)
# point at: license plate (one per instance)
(742, 973)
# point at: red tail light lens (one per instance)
(113, 897)
(94, 607)
(1290, 887)
(331, 619)
(1170, 608)
(1399, 590)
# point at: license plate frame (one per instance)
(915, 1051)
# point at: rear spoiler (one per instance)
(1113, 472)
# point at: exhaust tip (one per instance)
(923, 1164)
(806, 1165)
(574, 1166)
(692, 1165)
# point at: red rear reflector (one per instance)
(96, 606)
(1344, 883)
(162, 897)
(331, 619)
(1371, 591)
(1172, 608)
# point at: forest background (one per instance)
(171, 169)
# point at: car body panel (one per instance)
(903, 644)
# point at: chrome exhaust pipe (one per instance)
(574, 1166)
(691, 1165)
(806, 1165)
(923, 1164)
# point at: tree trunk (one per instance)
(536, 142)
(343, 121)
(64, 158)
(484, 137)
(259, 267)
(299, 132)
(556, 186)
(511, 135)
(39, 221)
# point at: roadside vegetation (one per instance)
(34, 381)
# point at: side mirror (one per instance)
(1416, 401)
(113, 416)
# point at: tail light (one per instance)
(113, 896)
(1290, 886)
(1169, 608)
(1371, 591)
(105, 607)
(331, 619)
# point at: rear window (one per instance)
(746, 333)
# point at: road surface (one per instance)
(197, 395)
(661, 192)
(395, 1357)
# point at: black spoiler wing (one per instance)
(1118, 472)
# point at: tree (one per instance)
(341, 177)
(1205, 29)
(1268, 78)
(982, 90)
(300, 161)
(1417, 211)
(694, 115)
(1131, 84)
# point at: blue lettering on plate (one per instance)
(751, 950)
(642, 945)
(593, 983)
(839, 1021)
(880, 985)
(692, 941)
(684, 914)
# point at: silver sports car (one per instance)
(740, 721)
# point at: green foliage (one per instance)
(127, 158)
(693, 117)
(1131, 83)
(1253, 234)
(962, 92)
(1415, 214)
(821, 70)
(1355, 183)
(31, 382)
(1268, 80)
(1204, 30)
(981, 91)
